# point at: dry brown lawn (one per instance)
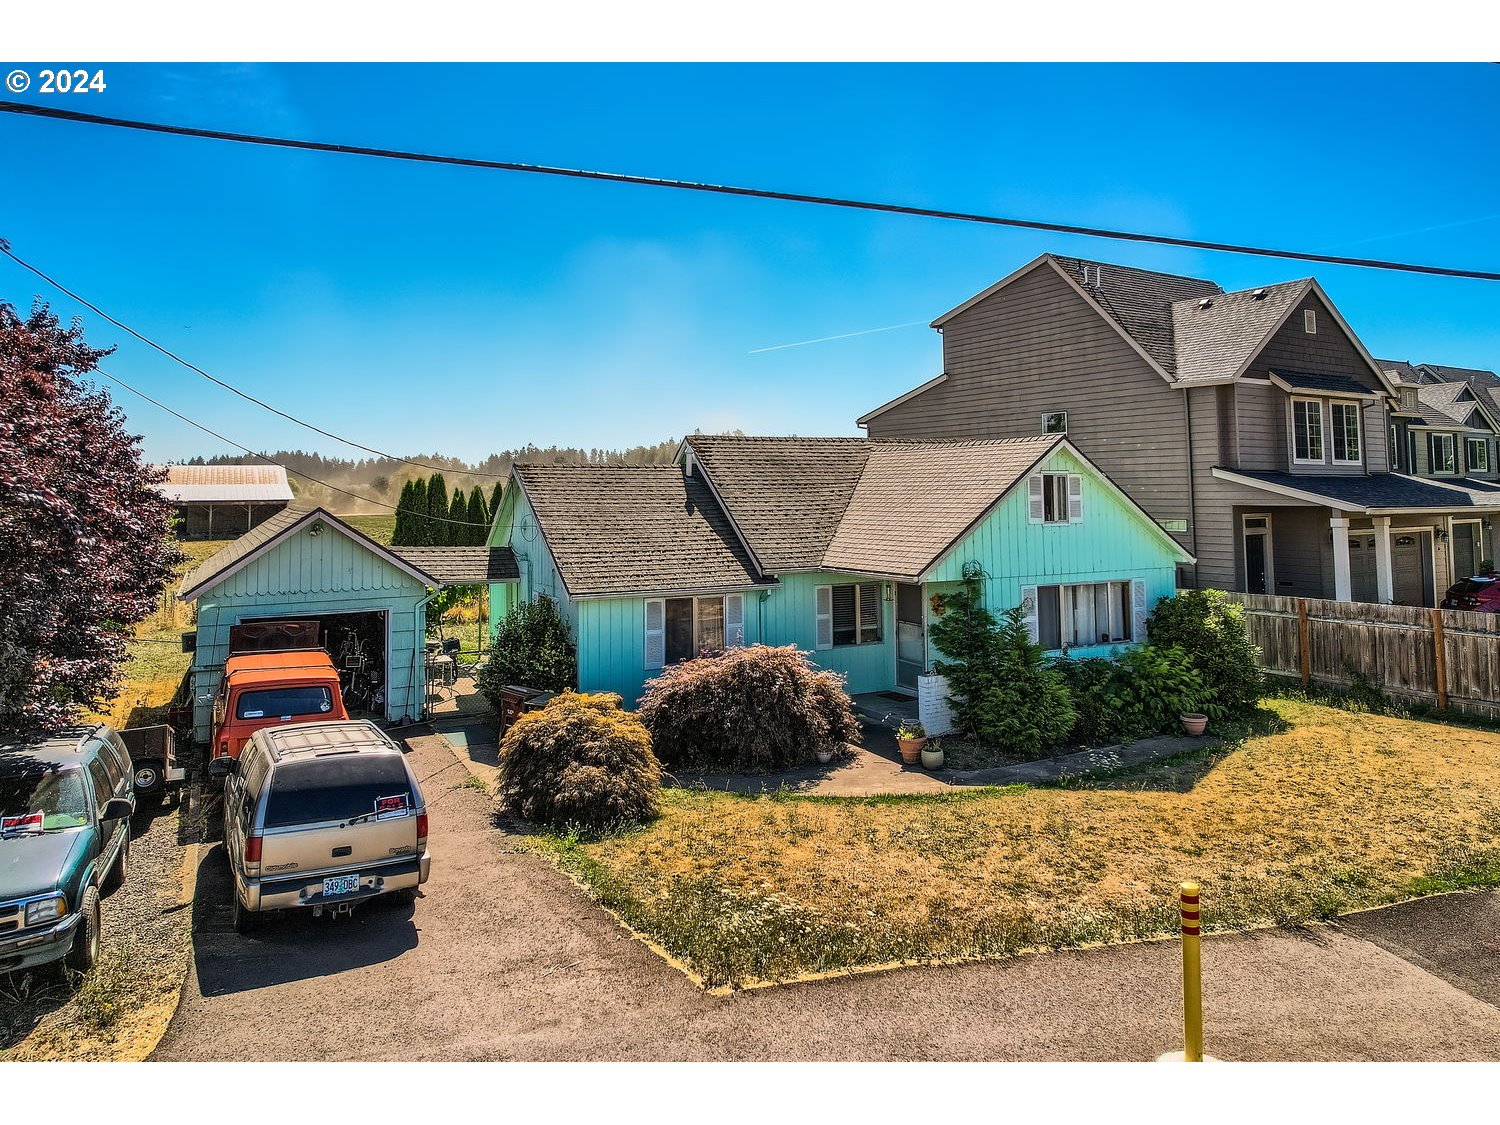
(1326, 812)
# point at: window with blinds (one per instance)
(849, 614)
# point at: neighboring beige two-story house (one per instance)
(1254, 426)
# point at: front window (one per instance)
(36, 800)
(1396, 465)
(1093, 613)
(288, 702)
(1442, 453)
(695, 627)
(1345, 419)
(1477, 451)
(1055, 423)
(1307, 430)
(856, 614)
(1054, 498)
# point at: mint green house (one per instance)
(836, 545)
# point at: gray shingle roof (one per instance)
(787, 494)
(224, 558)
(1140, 302)
(1218, 341)
(1380, 490)
(1311, 381)
(915, 499)
(1444, 404)
(615, 529)
(463, 566)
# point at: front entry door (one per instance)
(1411, 567)
(911, 636)
(1465, 548)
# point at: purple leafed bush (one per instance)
(749, 710)
(582, 762)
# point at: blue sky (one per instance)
(424, 309)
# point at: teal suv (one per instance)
(65, 808)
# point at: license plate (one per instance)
(341, 885)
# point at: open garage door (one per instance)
(357, 644)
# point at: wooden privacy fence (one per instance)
(1441, 657)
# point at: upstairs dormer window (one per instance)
(1307, 431)
(1442, 453)
(1409, 400)
(1056, 498)
(1344, 417)
(1477, 454)
(1055, 422)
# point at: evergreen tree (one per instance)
(401, 537)
(479, 518)
(495, 494)
(437, 511)
(456, 531)
(417, 528)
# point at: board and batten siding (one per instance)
(1112, 543)
(1038, 346)
(538, 569)
(790, 617)
(307, 575)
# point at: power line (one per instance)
(54, 113)
(269, 460)
(86, 303)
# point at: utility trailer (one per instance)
(153, 756)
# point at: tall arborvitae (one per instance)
(456, 530)
(495, 494)
(437, 510)
(401, 537)
(418, 522)
(479, 518)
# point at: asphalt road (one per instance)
(504, 958)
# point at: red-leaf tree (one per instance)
(84, 545)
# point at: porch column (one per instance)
(1385, 587)
(1342, 589)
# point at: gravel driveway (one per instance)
(504, 958)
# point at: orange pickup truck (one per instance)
(266, 689)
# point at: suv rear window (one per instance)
(284, 702)
(336, 788)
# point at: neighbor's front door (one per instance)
(911, 636)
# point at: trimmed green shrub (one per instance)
(1003, 692)
(530, 647)
(1091, 684)
(581, 762)
(1210, 628)
(1141, 692)
(748, 710)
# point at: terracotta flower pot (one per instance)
(932, 759)
(911, 750)
(1193, 724)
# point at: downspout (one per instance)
(1187, 421)
(419, 646)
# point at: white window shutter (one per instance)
(1139, 611)
(1029, 608)
(656, 633)
(734, 620)
(1075, 499)
(1038, 510)
(824, 605)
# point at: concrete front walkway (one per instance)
(503, 957)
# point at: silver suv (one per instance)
(320, 815)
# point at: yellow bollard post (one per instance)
(1192, 976)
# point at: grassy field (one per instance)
(378, 528)
(1317, 811)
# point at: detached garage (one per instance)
(306, 565)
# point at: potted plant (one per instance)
(932, 755)
(911, 737)
(824, 754)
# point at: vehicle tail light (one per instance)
(421, 831)
(252, 851)
(223, 747)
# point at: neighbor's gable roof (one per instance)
(229, 483)
(264, 537)
(786, 495)
(463, 566)
(618, 529)
(1224, 337)
(916, 499)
